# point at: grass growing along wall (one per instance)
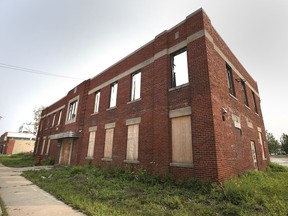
(115, 192)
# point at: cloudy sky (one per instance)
(73, 40)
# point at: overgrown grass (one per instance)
(3, 208)
(23, 160)
(115, 192)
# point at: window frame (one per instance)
(97, 102)
(230, 80)
(255, 102)
(91, 142)
(135, 86)
(173, 66)
(246, 101)
(72, 111)
(113, 95)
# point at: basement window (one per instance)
(113, 94)
(179, 65)
(230, 80)
(135, 86)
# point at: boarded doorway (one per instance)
(254, 157)
(65, 153)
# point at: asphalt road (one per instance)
(282, 161)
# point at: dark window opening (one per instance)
(230, 80)
(244, 92)
(255, 102)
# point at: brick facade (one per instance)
(224, 129)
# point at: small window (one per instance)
(136, 86)
(59, 117)
(91, 144)
(181, 140)
(48, 147)
(261, 144)
(43, 145)
(255, 102)
(53, 120)
(113, 94)
(179, 66)
(108, 143)
(244, 92)
(48, 121)
(72, 110)
(97, 102)
(230, 80)
(132, 142)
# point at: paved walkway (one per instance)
(22, 197)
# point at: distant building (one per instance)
(14, 143)
(181, 104)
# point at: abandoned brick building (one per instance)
(180, 104)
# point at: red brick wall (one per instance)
(219, 149)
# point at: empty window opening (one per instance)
(244, 92)
(255, 102)
(97, 102)
(72, 110)
(179, 65)
(113, 94)
(136, 86)
(230, 80)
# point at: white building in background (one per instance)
(14, 143)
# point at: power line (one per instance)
(28, 70)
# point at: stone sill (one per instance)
(185, 165)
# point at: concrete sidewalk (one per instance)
(22, 197)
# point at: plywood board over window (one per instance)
(91, 144)
(132, 142)
(181, 141)
(108, 143)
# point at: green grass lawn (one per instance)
(22, 160)
(115, 192)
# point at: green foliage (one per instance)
(273, 144)
(284, 142)
(3, 208)
(18, 160)
(24, 160)
(138, 192)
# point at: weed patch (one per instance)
(119, 192)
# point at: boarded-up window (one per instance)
(48, 147)
(43, 146)
(261, 143)
(91, 144)
(132, 142)
(108, 143)
(181, 140)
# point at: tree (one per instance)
(273, 144)
(284, 142)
